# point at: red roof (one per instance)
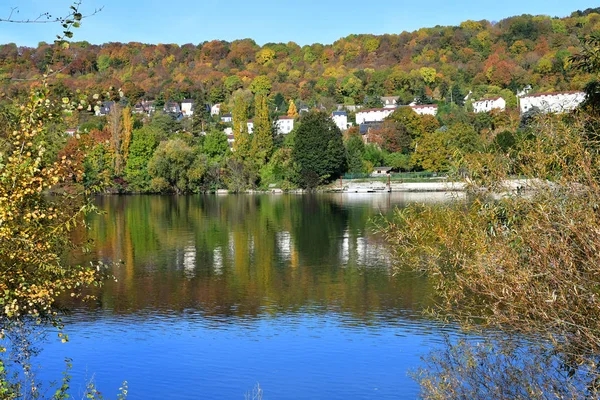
(554, 93)
(286, 117)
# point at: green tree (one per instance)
(261, 84)
(215, 145)
(318, 150)
(262, 136)
(233, 83)
(436, 151)
(355, 150)
(173, 167)
(241, 145)
(143, 144)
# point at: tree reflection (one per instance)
(248, 255)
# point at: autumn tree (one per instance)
(126, 132)
(292, 112)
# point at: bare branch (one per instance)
(45, 18)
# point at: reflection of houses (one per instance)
(341, 119)
(364, 250)
(227, 118)
(487, 105)
(390, 101)
(105, 108)
(425, 109)
(556, 102)
(285, 125)
(373, 115)
(187, 107)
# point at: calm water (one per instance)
(215, 294)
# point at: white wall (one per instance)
(285, 125)
(425, 109)
(373, 115)
(341, 121)
(487, 105)
(552, 102)
(186, 109)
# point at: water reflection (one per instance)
(220, 292)
(247, 255)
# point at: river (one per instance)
(215, 294)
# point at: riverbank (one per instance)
(374, 186)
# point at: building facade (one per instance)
(373, 115)
(556, 102)
(285, 125)
(487, 105)
(425, 109)
(340, 118)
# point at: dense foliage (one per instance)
(318, 150)
(443, 63)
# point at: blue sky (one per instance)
(301, 21)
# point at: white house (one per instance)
(187, 107)
(373, 115)
(227, 118)
(215, 110)
(425, 109)
(556, 102)
(285, 125)
(250, 126)
(390, 101)
(341, 119)
(487, 105)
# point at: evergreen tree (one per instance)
(241, 145)
(292, 112)
(318, 151)
(262, 137)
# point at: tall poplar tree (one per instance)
(127, 130)
(241, 145)
(262, 137)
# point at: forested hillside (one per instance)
(442, 63)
